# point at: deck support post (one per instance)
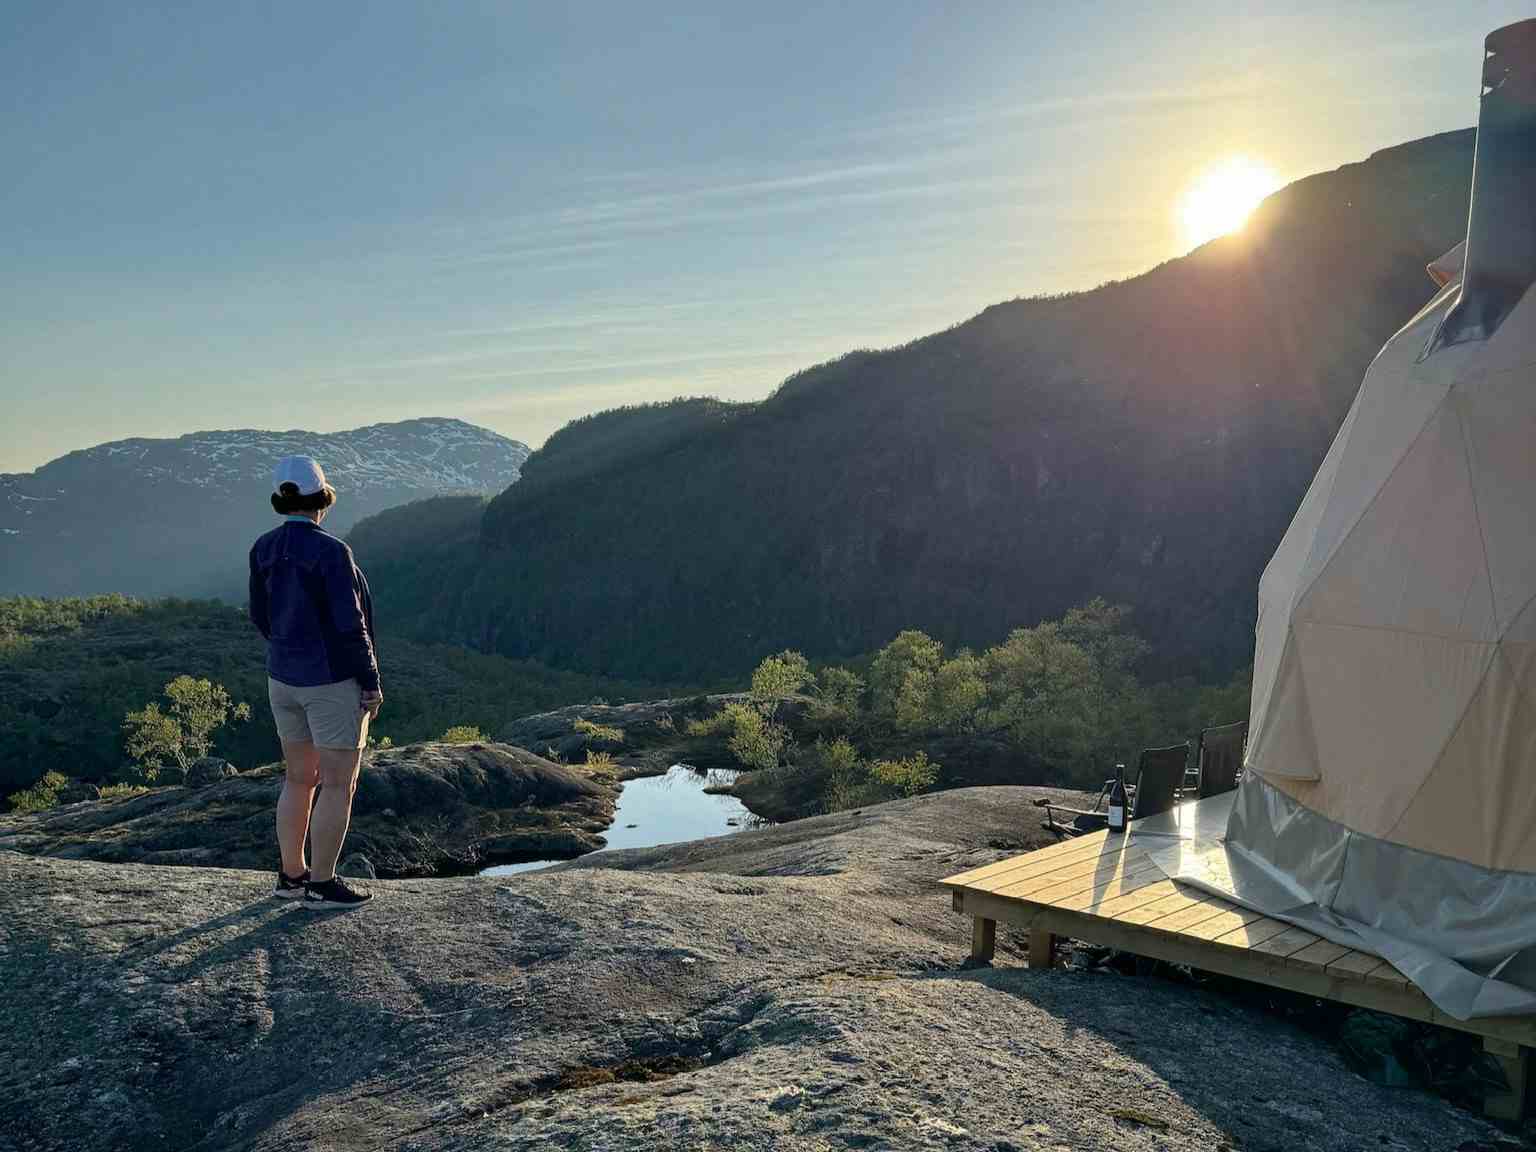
(983, 939)
(1042, 948)
(1514, 1059)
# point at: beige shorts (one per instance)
(327, 715)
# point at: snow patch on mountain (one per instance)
(435, 455)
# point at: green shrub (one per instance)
(463, 734)
(838, 759)
(715, 725)
(755, 741)
(41, 796)
(601, 761)
(905, 777)
(594, 731)
(845, 781)
(120, 791)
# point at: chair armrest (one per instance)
(1053, 808)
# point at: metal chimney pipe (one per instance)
(1501, 225)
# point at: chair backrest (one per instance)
(1158, 776)
(1221, 758)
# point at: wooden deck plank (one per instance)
(1097, 866)
(1041, 859)
(1016, 881)
(1254, 932)
(1082, 845)
(1128, 879)
(1321, 954)
(1288, 943)
(1135, 898)
(1222, 923)
(1093, 899)
(1197, 913)
(1179, 900)
(1384, 973)
(1353, 963)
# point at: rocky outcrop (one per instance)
(799, 987)
(422, 809)
(209, 770)
(655, 733)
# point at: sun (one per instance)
(1222, 196)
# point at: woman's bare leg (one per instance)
(333, 809)
(294, 802)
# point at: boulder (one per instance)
(77, 790)
(420, 810)
(209, 770)
(356, 866)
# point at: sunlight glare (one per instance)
(1222, 196)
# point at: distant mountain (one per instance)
(1146, 441)
(175, 517)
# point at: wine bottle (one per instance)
(1117, 805)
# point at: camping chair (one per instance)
(1220, 758)
(1159, 773)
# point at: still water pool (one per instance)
(665, 809)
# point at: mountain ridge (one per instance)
(173, 516)
(1146, 441)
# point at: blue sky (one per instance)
(324, 215)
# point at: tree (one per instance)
(1044, 691)
(959, 690)
(902, 677)
(780, 676)
(839, 691)
(756, 741)
(184, 733)
(1103, 631)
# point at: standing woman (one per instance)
(311, 603)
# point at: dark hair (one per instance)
(288, 500)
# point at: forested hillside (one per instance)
(1146, 442)
(70, 669)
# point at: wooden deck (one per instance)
(1106, 890)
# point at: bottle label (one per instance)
(1116, 816)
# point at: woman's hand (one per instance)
(372, 702)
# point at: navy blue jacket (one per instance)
(312, 604)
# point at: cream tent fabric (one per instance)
(1390, 796)
(1395, 668)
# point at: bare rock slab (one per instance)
(796, 987)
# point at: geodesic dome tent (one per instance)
(1390, 798)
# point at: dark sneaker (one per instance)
(290, 887)
(333, 894)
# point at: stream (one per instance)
(665, 809)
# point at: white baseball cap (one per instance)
(301, 471)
